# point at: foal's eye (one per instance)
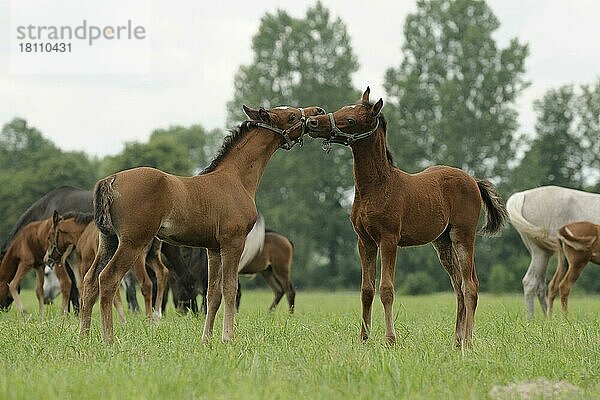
(291, 118)
(351, 121)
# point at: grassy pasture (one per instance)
(315, 353)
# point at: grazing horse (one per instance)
(392, 208)
(579, 243)
(26, 251)
(215, 209)
(79, 231)
(274, 264)
(537, 214)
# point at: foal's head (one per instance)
(53, 254)
(349, 123)
(289, 122)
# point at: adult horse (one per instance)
(215, 209)
(537, 214)
(392, 208)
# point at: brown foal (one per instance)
(392, 208)
(274, 264)
(215, 209)
(78, 231)
(25, 252)
(579, 243)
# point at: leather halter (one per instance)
(339, 137)
(288, 142)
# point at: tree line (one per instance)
(451, 100)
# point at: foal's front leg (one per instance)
(386, 286)
(368, 259)
(213, 292)
(230, 258)
(39, 288)
(22, 270)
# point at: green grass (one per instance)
(315, 353)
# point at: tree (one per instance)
(305, 194)
(31, 166)
(566, 148)
(177, 150)
(451, 99)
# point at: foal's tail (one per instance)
(495, 210)
(103, 198)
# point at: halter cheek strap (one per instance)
(289, 142)
(340, 137)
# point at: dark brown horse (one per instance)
(579, 243)
(392, 208)
(78, 231)
(274, 264)
(26, 251)
(215, 209)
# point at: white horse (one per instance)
(537, 214)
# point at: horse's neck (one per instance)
(371, 166)
(249, 158)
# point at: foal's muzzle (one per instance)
(312, 123)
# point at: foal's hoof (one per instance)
(390, 340)
(156, 315)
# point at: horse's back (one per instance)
(551, 207)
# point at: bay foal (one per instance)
(392, 208)
(579, 243)
(215, 209)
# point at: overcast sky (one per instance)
(183, 73)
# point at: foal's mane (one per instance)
(235, 135)
(383, 123)
(80, 217)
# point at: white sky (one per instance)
(197, 46)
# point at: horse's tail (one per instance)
(496, 213)
(103, 198)
(514, 206)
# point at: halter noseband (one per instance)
(288, 142)
(339, 137)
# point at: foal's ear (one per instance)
(377, 107)
(263, 115)
(365, 96)
(251, 113)
(55, 217)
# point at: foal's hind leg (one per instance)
(278, 291)
(213, 292)
(575, 268)
(139, 268)
(463, 248)
(106, 248)
(162, 275)
(443, 247)
(368, 259)
(558, 276)
(110, 278)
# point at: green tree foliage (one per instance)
(566, 148)
(177, 150)
(451, 99)
(31, 166)
(305, 193)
